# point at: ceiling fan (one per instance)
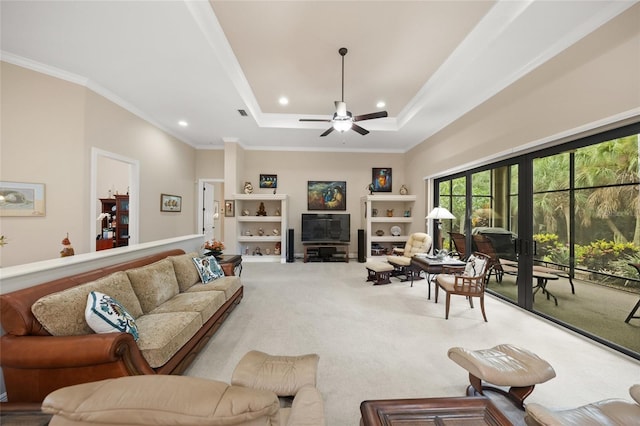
(342, 119)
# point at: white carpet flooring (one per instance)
(381, 342)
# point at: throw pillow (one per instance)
(105, 314)
(475, 266)
(208, 268)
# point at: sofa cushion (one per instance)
(162, 400)
(62, 313)
(208, 268)
(105, 314)
(186, 272)
(227, 284)
(206, 303)
(154, 284)
(164, 334)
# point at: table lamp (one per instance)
(439, 213)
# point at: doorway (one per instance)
(126, 165)
(210, 217)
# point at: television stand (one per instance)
(326, 252)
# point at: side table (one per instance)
(230, 264)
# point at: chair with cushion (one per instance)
(605, 412)
(418, 242)
(468, 281)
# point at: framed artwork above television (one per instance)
(381, 179)
(326, 195)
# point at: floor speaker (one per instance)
(290, 256)
(362, 255)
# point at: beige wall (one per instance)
(593, 80)
(48, 129)
(295, 169)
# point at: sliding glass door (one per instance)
(564, 224)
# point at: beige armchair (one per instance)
(418, 242)
(605, 412)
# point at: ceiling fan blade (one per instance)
(329, 130)
(326, 120)
(359, 129)
(341, 108)
(380, 114)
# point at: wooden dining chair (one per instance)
(468, 281)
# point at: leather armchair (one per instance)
(418, 242)
(605, 412)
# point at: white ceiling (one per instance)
(199, 61)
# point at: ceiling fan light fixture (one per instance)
(342, 125)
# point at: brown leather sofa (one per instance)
(36, 362)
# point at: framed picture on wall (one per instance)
(170, 203)
(22, 199)
(229, 208)
(381, 179)
(326, 195)
(268, 181)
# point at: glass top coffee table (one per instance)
(432, 266)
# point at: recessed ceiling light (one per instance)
(381, 104)
(283, 100)
(183, 123)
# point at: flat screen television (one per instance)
(326, 228)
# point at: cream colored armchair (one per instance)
(418, 242)
(605, 412)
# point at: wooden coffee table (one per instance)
(466, 410)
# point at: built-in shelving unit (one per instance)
(262, 238)
(381, 213)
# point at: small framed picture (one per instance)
(170, 203)
(381, 179)
(268, 181)
(22, 199)
(229, 208)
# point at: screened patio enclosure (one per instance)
(573, 209)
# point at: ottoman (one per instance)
(378, 272)
(503, 365)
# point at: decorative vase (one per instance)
(403, 190)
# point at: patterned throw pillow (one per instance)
(105, 314)
(208, 268)
(474, 266)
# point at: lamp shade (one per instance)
(440, 213)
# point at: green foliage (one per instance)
(548, 248)
(600, 254)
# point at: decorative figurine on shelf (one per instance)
(248, 188)
(261, 210)
(245, 212)
(277, 249)
(277, 213)
(267, 251)
(276, 231)
(257, 252)
(67, 250)
(370, 188)
(374, 212)
(389, 212)
(403, 190)
(260, 232)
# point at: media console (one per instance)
(326, 252)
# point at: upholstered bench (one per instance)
(503, 365)
(378, 272)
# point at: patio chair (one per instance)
(484, 245)
(460, 244)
